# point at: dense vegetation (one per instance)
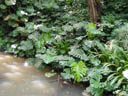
(58, 33)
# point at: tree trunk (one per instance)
(95, 11)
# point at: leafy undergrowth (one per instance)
(57, 33)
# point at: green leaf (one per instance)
(79, 53)
(29, 26)
(67, 28)
(38, 63)
(78, 70)
(10, 2)
(43, 28)
(115, 80)
(14, 16)
(110, 77)
(19, 13)
(26, 45)
(90, 27)
(96, 62)
(46, 58)
(67, 74)
(119, 82)
(30, 9)
(39, 44)
(2, 6)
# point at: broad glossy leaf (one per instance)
(26, 45)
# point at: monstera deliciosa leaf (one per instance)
(78, 70)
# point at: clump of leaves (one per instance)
(76, 72)
(115, 63)
(121, 34)
(96, 86)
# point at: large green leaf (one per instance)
(78, 70)
(46, 58)
(78, 53)
(26, 45)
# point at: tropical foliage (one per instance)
(57, 33)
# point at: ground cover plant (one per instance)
(58, 33)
